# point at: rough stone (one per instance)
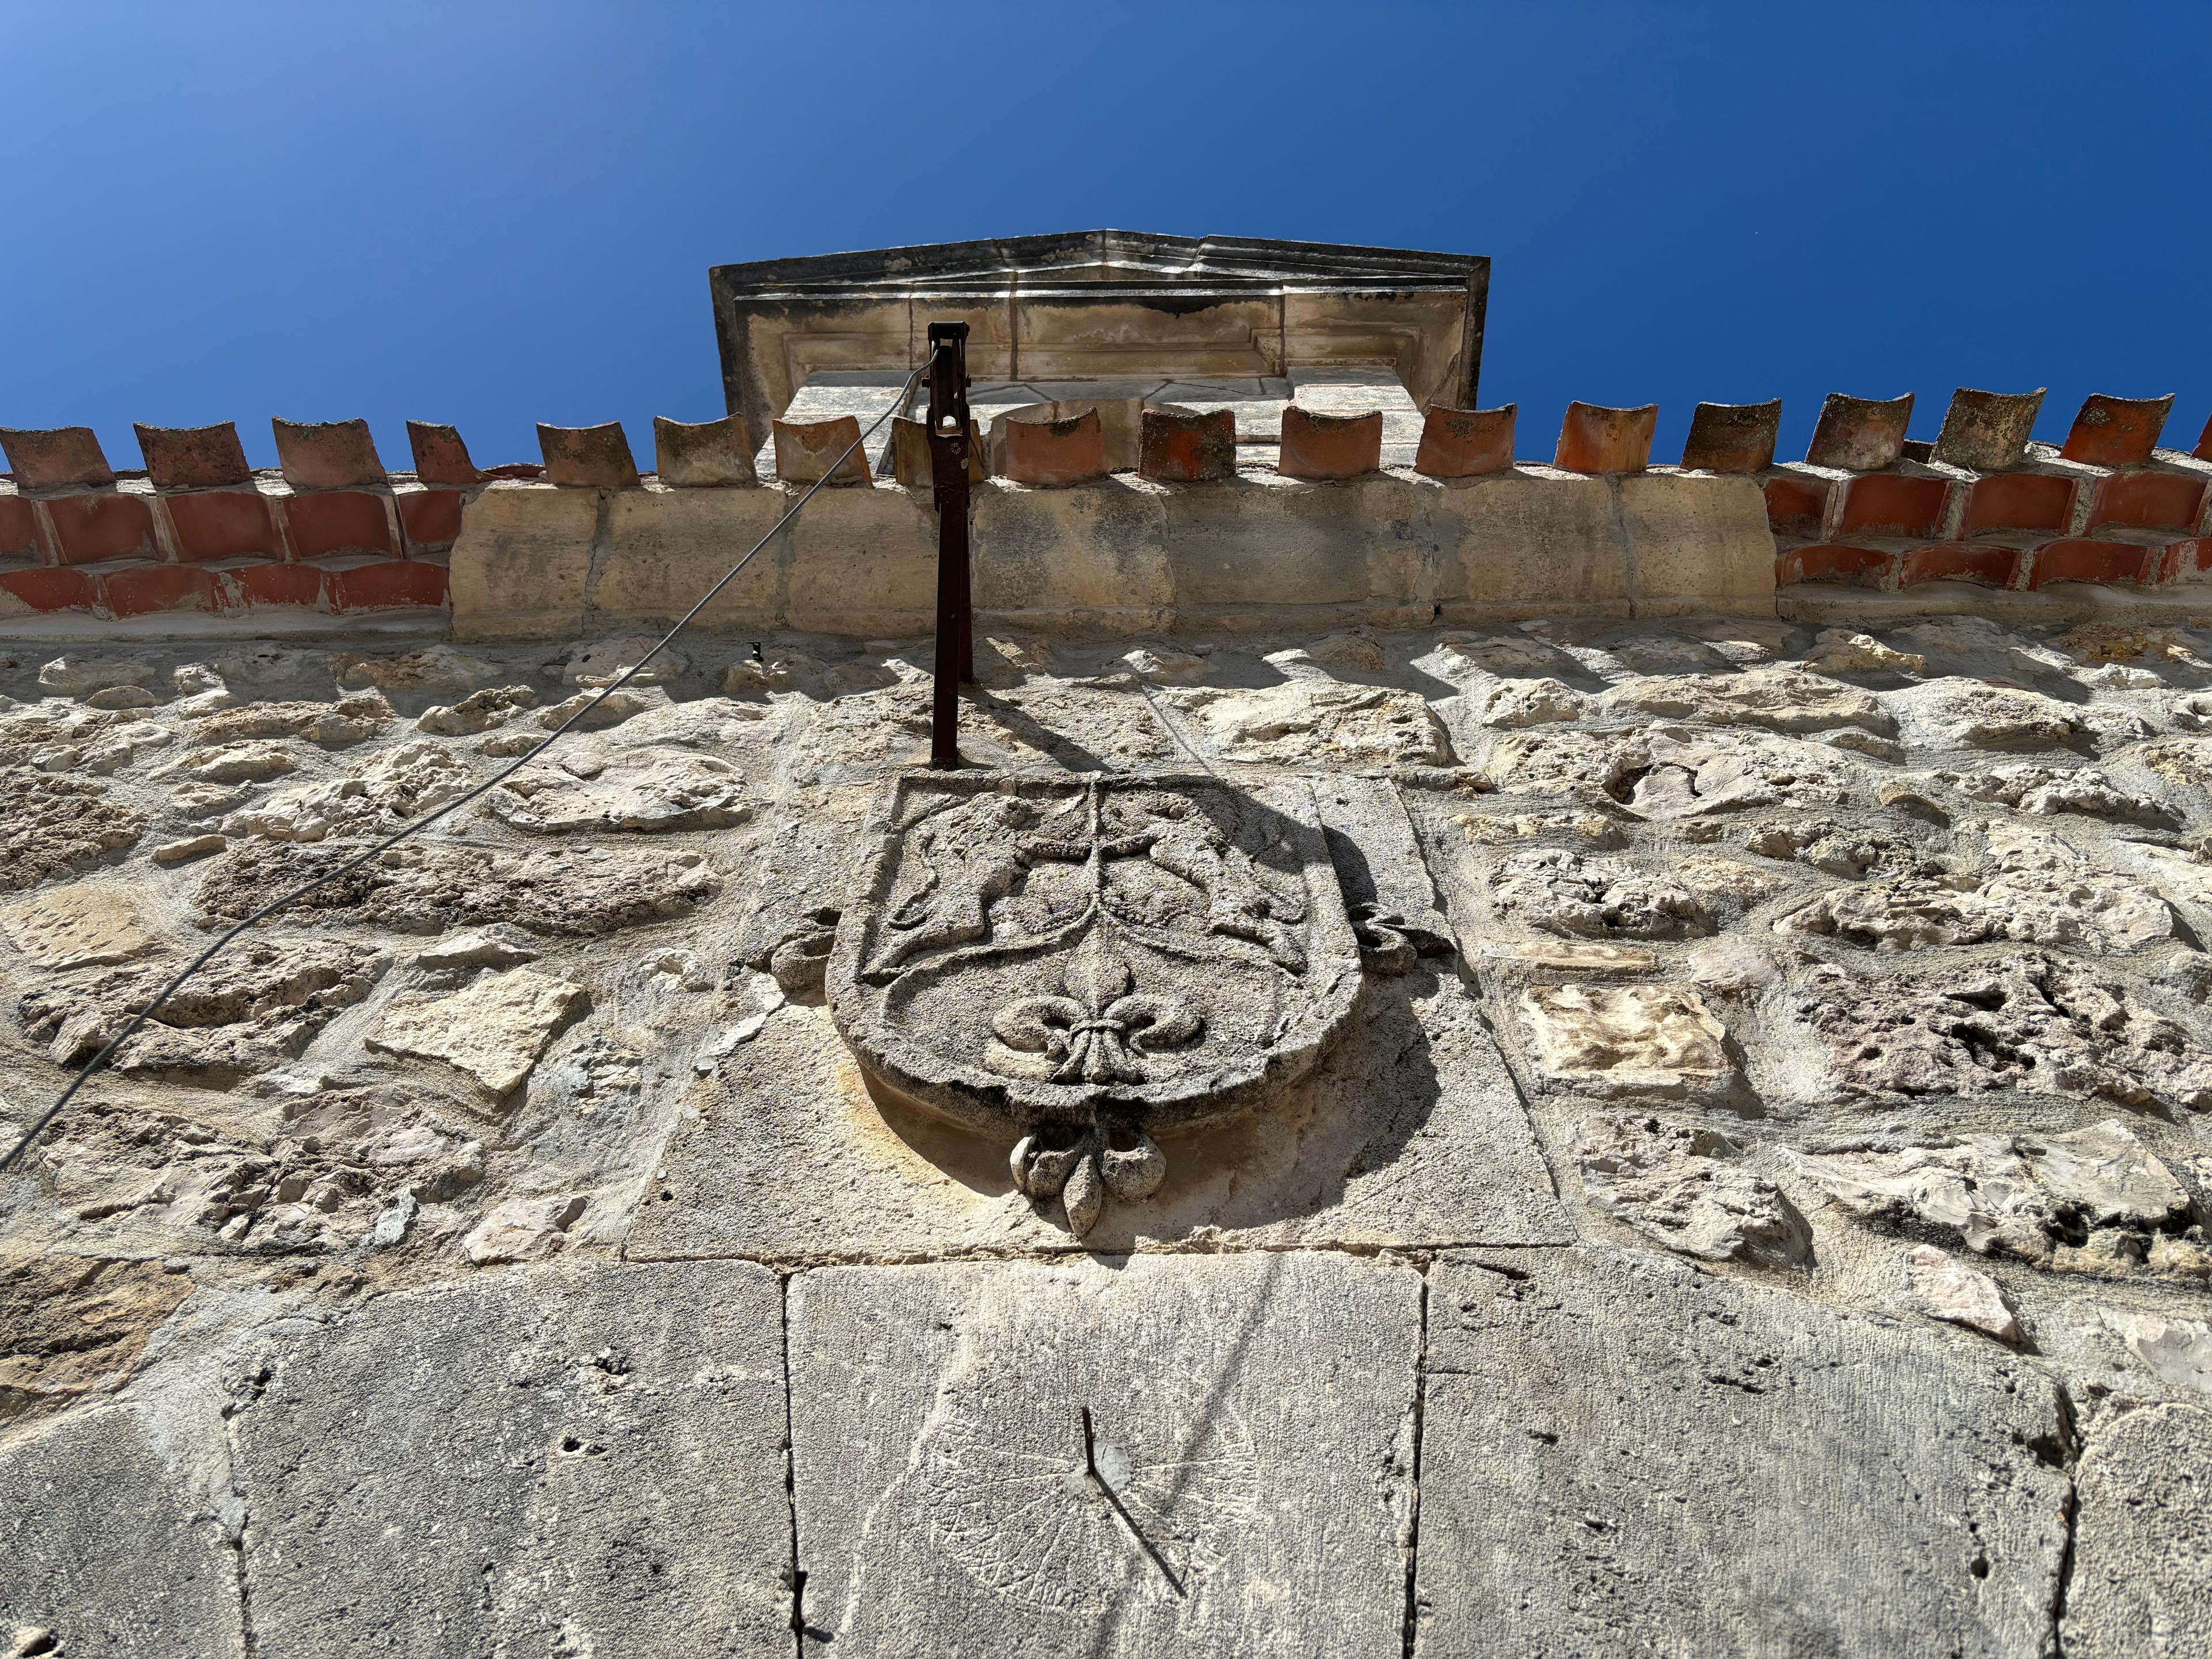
(428, 888)
(1840, 651)
(261, 1001)
(1961, 713)
(122, 696)
(606, 1475)
(480, 711)
(2042, 791)
(523, 1230)
(1593, 898)
(2177, 1352)
(1937, 1284)
(52, 826)
(2093, 1201)
(1531, 702)
(2035, 889)
(2140, 1585)
(1780, 699)
(2026, 1022)
(350, 720)
(438, 665)
(79, 926)
(498, 945)
(1674, 773)
(1312, 720)
(1839, 849)
(493, 1030)
(1623, 1036)
(104, 1547)
(1254, 1421)
(1686, 1187)
(1618, 1453)
(398, 784)
(642, 789)
(601, 662)
(69, 1324)
(237, 763)
(77, 677)
(607, 708)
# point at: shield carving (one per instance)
(1077, 964)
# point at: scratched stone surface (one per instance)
(1254, 1424)
(1623, 1456)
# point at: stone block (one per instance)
(2139, 1584)
(863, 562)
(326, 455)
(1528, 544)
(588, 1460)
(521, 563)
(1410, 1135)
(665, 548)
(703, 455)
(103, 1547)
(1257, 546)
(1860, 434)
(1697, 543)
(1592, 439)
(1091, 560)
(1253, 1432)
(1623, 1456)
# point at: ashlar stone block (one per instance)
(580, 1461)
(1623, 1456)
(2142, 1578)
(1253, 1419)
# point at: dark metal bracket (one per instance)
(948, 476)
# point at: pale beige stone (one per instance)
(1585, 958)
(1652, 1036)
(494, 1030)
(523, 1230)
(518, 567)
(78, 928)
(1939, 1284)
(1700, 542)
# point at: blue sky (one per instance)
(495, 215)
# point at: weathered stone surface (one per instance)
(1673, 772)
(1685, 1188)
(1840, 651)
(1409, 1135)
(350, 720)
(1779, 699)
(50, 826)
(70, 1323)
(2043, 790)
(2093, 1201)
(2022, 1021)
(1531, 702)
(1623, 1036)
(600, 709)
(596, 663)
(1961, 713)
(1620, 1456)
(2141, 1585)
(427, 888)
(260, 1000)
(642, 789)
(78, 928)
(397, 785)
(1593, 898)
(523, 1230)
(322, 1181)
(2035, 889)
(431, 666)
(102, 1546)
(493, 1029)
(498, 945)
(233, 762)
(1254, 1424)
(1314, 719)
(480, 711)
(2177, 1352)
(76, 676)
(606, 1476)
(1837, 849)
(1937, 1284)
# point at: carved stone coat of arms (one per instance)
(1080, 965)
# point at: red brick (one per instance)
(50, 589)
(2116, 431)
(431, 519)
(1860, 434)
(1831, 561)
(1797, 505)
(105, 525)
(326, 455)
(1960, 561)
(1894, 504)
(1052, 453)
(338, 521)
(1732, 437)
(440, 456)
(1595, 439)
(160, 588)
(55, 457)
(2090, 561)
(223, 524)
(2019, 501)
(1187, 446)
(19, 525)
(193, 457)
(279, 584)
(2187, 561)
(1465, 443)
(2147, 501)
(388, 583)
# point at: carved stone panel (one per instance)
(1078, 963)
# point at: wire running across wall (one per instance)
(137, 1021)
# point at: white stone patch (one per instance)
(494, 1030)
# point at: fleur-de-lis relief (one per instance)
(1082, 1175)
(1100, 1031)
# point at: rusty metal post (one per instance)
(948, 474)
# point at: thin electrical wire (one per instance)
(138, 1020)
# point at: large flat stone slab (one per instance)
(101, 1546)
(1410, 1133)
(1622, 1455)
(570, 1462)
(1254, 1417)
(2142, 1566)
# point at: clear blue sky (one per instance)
(495, 215)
